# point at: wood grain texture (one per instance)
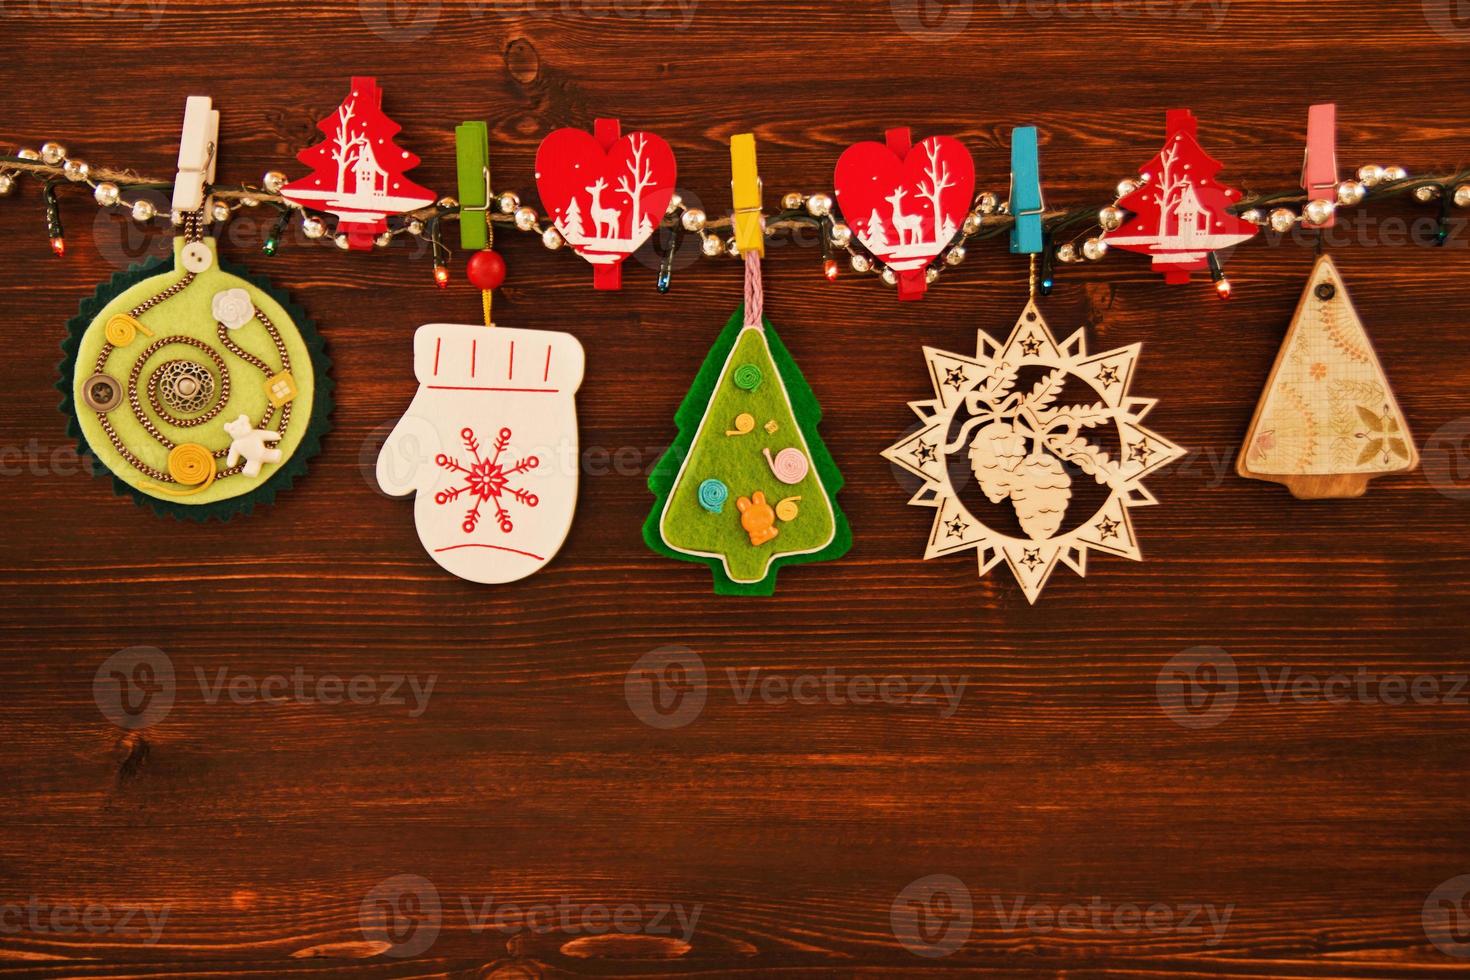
(262, 827)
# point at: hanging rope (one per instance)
(754, 292)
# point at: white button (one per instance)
(197, 257)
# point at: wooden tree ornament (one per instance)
(1327, 422)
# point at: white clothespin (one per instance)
(198, 151)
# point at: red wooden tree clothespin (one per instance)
(358, 171)
(1179, 213)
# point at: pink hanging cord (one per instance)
(754, 293)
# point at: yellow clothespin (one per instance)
(745, 191)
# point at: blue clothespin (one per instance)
(1026, 201)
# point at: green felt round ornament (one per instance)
(149, 396)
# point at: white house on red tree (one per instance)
(1191, 223)
(371, 179)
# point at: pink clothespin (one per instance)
(1319, 172)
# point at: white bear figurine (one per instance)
(249, 443)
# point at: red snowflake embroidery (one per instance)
(486, 479)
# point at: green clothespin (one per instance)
(1026, 201)
(472, 153)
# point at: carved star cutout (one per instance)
(1020, 437)
(955, 377)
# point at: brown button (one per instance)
(101, 392)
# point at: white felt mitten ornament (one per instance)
(490, 446)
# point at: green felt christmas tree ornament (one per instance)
(748, 485)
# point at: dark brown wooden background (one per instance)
(261, 827)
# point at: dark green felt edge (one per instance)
(691, 411)
(311, 442)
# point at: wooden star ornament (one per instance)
(1037, 457)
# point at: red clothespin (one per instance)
(911, 282)
(1319, 171)
(607, 132)
(358, 172)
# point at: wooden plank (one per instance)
(261, 828)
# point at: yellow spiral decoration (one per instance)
(744, 425)
(122, 330)
(193, 466)
(787, 510)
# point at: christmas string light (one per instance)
(1075, 235)
(53, 219)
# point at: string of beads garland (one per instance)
(1073, 235)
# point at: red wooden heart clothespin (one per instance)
(605, 193)
(905, 203)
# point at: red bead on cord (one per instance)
(486, 270)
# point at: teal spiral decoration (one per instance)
(712, 496)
